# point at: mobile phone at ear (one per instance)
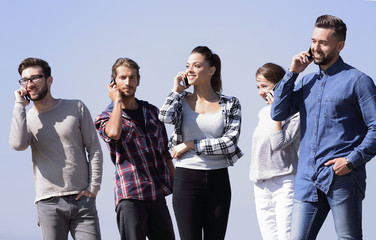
(27, 95)
(113, 81)
(274, 87)
(310, 57)
(185, 82)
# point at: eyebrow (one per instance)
(195, 62)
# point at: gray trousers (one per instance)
(57, 216)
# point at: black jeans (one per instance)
(137, 219)
(201, 202)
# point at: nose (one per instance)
(126, 81)
(316, 47)
(189, 68)
(261, 91)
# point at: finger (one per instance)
(330, 162)
(80, 195)
(23, 92)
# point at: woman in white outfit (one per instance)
(274, 160)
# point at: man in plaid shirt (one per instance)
(137, 142)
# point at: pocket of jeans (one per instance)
(341, 188)
(47, 200)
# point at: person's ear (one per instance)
(212, 70)
(340, 46)
(50, 79)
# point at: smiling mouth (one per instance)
(32, 91)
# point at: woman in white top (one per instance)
(204, 144)
(274, 160)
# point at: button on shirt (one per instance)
(139, 156)
(338, 119)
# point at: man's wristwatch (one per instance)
(349, 164)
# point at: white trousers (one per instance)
(274, 198)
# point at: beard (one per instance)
(41, 95)
(325, 59)
(128, 94)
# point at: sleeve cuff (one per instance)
(197, 146)
(353, 157)
(93, 189)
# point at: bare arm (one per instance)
(114, 125)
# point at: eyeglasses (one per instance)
(32, 79)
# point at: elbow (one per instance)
(113, 135)
(18, 146)
(232, 145)
(164, 118)
(276, 147)
(278, 115)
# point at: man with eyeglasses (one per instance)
(60, 133)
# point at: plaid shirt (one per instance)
(140, 158)
(172, 112)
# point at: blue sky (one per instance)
(82, 39)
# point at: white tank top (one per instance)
(201, 126)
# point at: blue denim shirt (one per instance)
(338, 119)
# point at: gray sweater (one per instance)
(59, 138)
(274, 153)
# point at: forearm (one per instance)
(283, 102)
(366, 93)
(285, 134)
(167, 113)
(19, 137)
(216, 146)
(114, 125)
(171, 167)
(95, 172)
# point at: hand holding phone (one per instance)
(310, 57)
(25, 94)
(185, 81)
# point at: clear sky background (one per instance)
(82, 39)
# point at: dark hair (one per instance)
(126, 62)
(32, 62)
(271, 72)
(213, 60)
(332, 22)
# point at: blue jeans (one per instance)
(59, 215)
(137, 219)
(344, 199)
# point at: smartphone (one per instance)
(27, 95)
(185, 82)
(113, 81)
(310, 54)
(273, 89)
